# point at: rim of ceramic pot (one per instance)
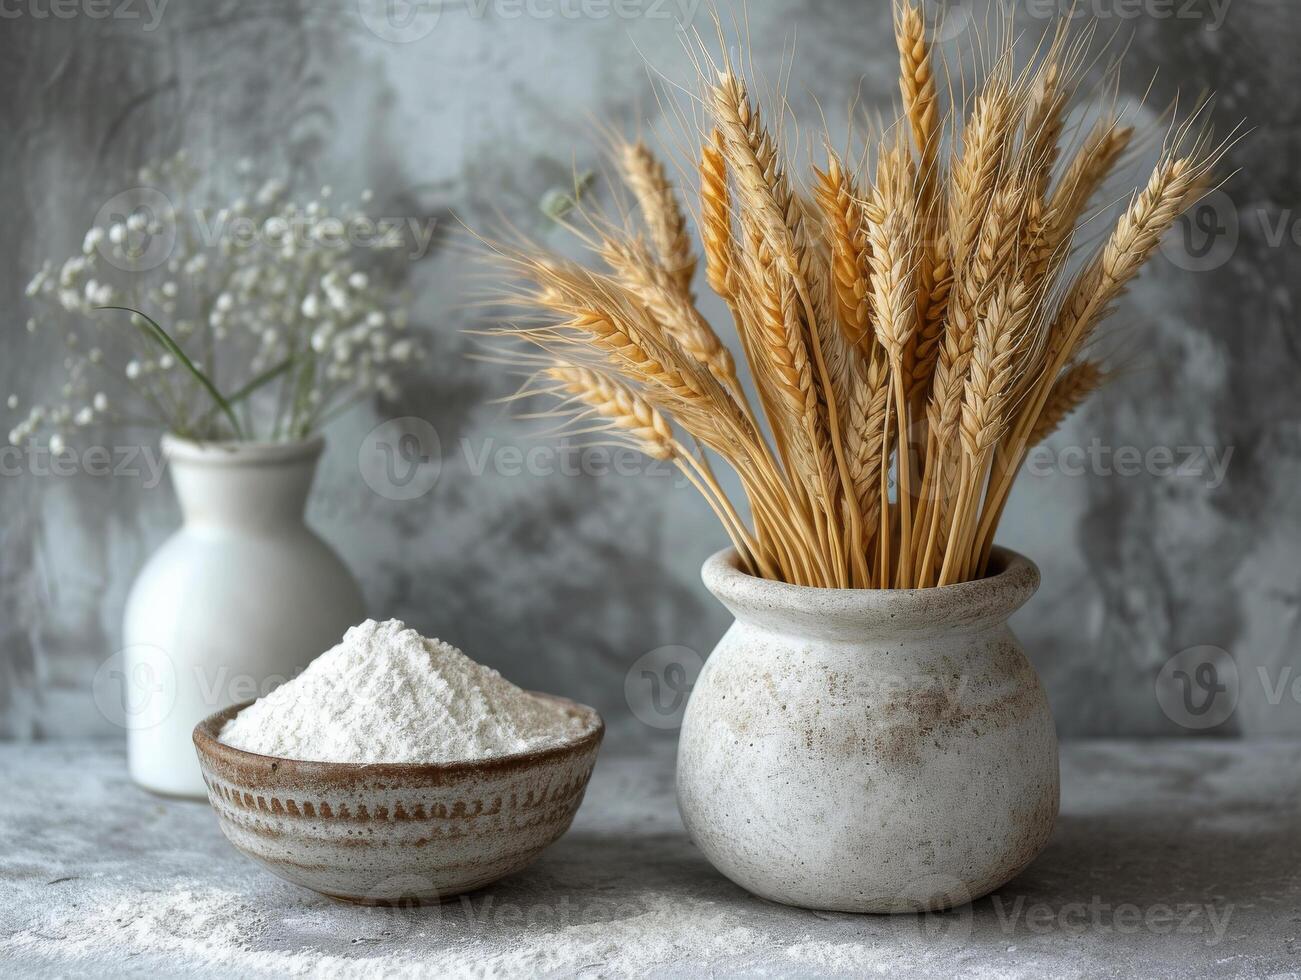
(212, 749)
(995, 597)
(231, 452)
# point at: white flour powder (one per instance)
(388, 694)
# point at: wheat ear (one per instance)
(917, 81)
(657, 290)
(716, 219)
(1087, 171)
(661, 211)
(619, 405)
(626, 411)
(1045, 118)
(1175, 183)
(840, 203)
(1068, 393)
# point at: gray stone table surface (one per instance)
(1171, 859)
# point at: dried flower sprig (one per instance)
(263, 319)
(911, 326)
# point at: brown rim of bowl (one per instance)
(206, 740)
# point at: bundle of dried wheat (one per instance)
(910, 323)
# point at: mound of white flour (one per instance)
(388, 694)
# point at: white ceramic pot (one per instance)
(869, 751)
(240, 599)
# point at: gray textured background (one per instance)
(563, 582)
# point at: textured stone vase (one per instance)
(241, 598)
(869, 750)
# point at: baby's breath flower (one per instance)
(254, 282)
(71, 271)
(39, 280)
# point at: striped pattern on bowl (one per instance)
(396, 833)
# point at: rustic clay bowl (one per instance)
(396, 833)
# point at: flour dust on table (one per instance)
(387, 694)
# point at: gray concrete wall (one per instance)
(563, 582)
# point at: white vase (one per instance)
(869, 750)
(238, 600)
